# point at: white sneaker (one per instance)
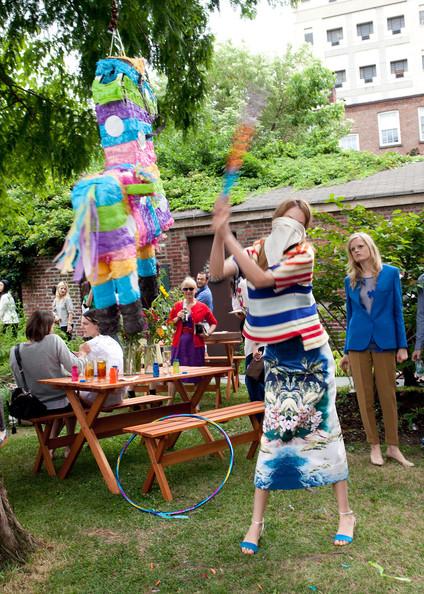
(3, 437)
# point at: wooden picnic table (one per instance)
(93, 427)
(230, 341)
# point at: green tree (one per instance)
(48, 51)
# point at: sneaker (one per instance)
(3, 437)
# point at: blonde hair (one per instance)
(354, 270)
(61, 284)
(280, 212)
(190, 280)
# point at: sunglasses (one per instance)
(188, 288)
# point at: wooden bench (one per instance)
(43, 426)
(159, 436)
(222, 360)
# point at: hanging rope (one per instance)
(113, 30)
(113, 23)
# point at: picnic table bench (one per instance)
(44, 424)
(159, 436)
(93, 427)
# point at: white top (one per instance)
(107, 348)
(62, 308)
(8, 313)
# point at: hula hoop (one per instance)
(179, 513)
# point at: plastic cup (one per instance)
(113, 375)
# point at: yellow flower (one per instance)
(164, 291)
(160, 331)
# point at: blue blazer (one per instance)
(385, 323)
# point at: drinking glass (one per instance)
(89, 370)
(101, 369)
(166, 357)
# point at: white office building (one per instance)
(376, 50)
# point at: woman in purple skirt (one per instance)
(188, 315)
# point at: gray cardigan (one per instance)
(41, 360)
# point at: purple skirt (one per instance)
(188, 354)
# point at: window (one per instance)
(389, 128)
(367, 73)
(421, 122)
(340, 78)
(349, 142)
(309, 36)
(421, 17)
(335, 35)
(399, 67)
(364, 30)
(396, 24)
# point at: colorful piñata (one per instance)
(121, 212)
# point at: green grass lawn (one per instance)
(94, 542)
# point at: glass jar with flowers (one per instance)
(156, 343)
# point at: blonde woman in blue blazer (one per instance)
(375, 340)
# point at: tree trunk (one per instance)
(15, 542)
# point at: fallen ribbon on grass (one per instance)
(179, 514)
(380, 570)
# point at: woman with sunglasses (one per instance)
(188, 343)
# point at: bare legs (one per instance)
(394, 452)
(253, 535)
(346, 519)
(57, 427)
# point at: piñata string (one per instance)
(179, 514)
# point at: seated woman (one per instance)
(44, 356)
(101, 347)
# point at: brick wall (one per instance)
(365, 123)
(174, 253)
(37, 288)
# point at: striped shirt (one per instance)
(288, 309)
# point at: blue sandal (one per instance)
(251, 546)
(343, 537)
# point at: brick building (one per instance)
(406, 123)
(374, 48)
(187, 246)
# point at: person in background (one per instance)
(203, 292)
(63, 308)
(252, 350)
(302, 444)
(8, 315)
(87, 301)
(98, 347)
(188, 315)
(375, 340)
(44, 356)
(419, 339)
(3, 427)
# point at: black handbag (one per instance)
(23, 404)
(200, 329)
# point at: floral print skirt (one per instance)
(302, 445)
